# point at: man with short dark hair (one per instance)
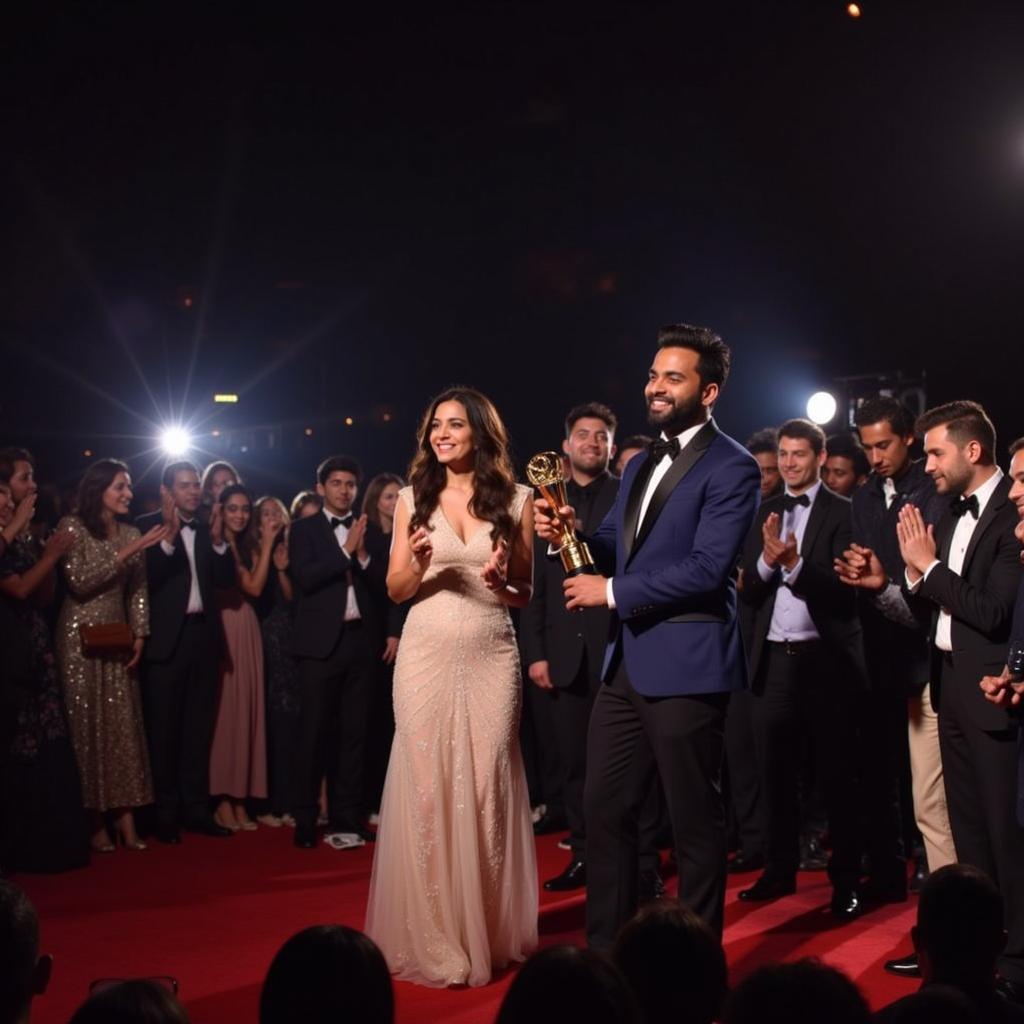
(181, 659)
(807, 666)
(24, 974)
(967, 570)
(335, 580)
(764, 446)
(669, 547)
(635, 444)
(846, 466)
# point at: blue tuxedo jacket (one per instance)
(675, 615)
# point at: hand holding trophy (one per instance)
(546, 472)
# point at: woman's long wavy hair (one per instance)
(89, 503)
(371, 498)
(494, 482)
(245, 542)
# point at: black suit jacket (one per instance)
(981, 601)
(552, 634)
(831, 604)
(319, 568)
(170, 582)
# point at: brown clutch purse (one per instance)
(108, 638)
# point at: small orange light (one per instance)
(349, 421)
(309, 431)
(387, 417)
(87, 453)
(188, 302)
(853, 10)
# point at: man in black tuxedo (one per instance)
(968, 569)
(564, 650)
(806, 664)
(338, 587)
(181, 659)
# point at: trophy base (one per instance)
(581, 570)
(576, 560)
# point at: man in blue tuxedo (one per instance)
(667, 550)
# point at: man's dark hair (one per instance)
(960, 925)
(803, 992)
(964, 422)
(591, 410)
(764, 440)
(136, 1001)
(641, 441)
(933, 1004)
(1016, 446)
(885, 409)
(8, 457)
(674, 963)
(172, 469)
(328, 973)
(565, 983)
(338, 464)
(19, 950)
(846, 447)
(804, 430)
(715, 356)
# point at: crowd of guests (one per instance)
(156, 664)
(667, 967)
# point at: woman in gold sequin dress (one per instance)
(105, 573)
(453, 893)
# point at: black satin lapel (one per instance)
(815, 520)
(636, 495)
(684, 462)
(992, 507)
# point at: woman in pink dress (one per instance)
(238, 756)
(453, 893)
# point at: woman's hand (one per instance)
(495, 571)
(281, 556)
(269, 535)
(152, 536)
(23, 514)
(59, 544)
(136, 657)
(422, 550)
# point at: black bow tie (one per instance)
(790, 501)
(345, 521)
(659, 449)
(961, 506)
(187, 524)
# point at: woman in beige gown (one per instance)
(105, 573)
(453, 893)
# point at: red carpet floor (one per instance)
(213, 912)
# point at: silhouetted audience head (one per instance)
(804, 992)
(328, 974)
(959, 931)
(306, 503)
(846, 466)
(629, 448)
(936, 1004)
(674, 964)
(136, 1001)
(23, 972)
(563, 984)
(764, 446)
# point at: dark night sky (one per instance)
(368, 206)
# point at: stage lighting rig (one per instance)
(175, 441)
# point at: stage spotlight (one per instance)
(853, 10)
(175, 442)
(821, 407)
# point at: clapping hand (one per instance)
(280, 556)
(270, 532)
(776, 550)
(169, 514)
(422, 549)
(23, 513)
(917, 541)
(58, 545)
(217, 524)
(495, 570)
(861, 567)
(154, 535)
(355, 542)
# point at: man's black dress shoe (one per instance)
(920, 875)
(304, 837)
(549, 823)
(846, 903)
(573, 877)
(167, 834)
(347, 825)
(208, 827)
(904, 966)
(745, 862)
(768, 888)
(651, 887)
(1011, 991)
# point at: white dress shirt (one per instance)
(962, 533)
(791, 619)
(188, 540)
(352, 612)
(657, 473)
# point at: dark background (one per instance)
(336, 212)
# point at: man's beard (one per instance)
(599, 466)
(680, 417)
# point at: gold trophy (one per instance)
(546, 472)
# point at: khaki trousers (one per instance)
(926, 780)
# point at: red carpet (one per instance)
(213, 912)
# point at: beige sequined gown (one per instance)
(101, 696)
(453, 893)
